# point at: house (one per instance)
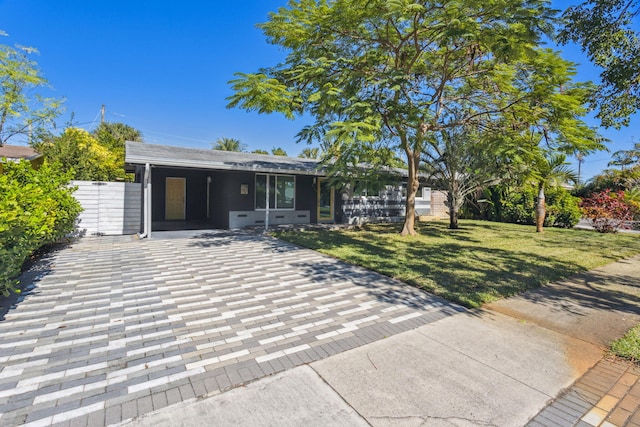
(15, 153)
(187, 188)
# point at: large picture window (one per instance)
(282, 191)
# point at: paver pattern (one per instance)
(608, 396)
(115, 327)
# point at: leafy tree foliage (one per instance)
(397, 73)
(626, 158)
(310, 153)
(626, 178)
(228, 144)
(36, 208)
(611, 179)
(113, 136)
(277, 151)
(78, 151)
(460, 162)
(608, 33)
(608, 212)
(23, 110)
(521, 141)
(259, 151)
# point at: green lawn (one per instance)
(478, 263)
(629, 345)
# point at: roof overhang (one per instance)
(180, 157)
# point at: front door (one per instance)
(325, 200)
(175, 198)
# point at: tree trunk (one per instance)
(453, 210)
(541, 210)
(412, 189)
(453, 219)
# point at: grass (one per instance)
(478, 263)
(628, 346)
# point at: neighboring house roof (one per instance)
(18, 152)
(137, 153)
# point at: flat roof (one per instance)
(138, 153)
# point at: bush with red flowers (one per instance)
(607, 211)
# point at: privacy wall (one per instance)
(110, 208)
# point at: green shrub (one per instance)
(518, 206)
(36, 208)
(563, 209)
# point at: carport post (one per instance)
(148, 219)
(146, 202)
(266, 212)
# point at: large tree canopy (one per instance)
(609, 32)
(398, 71)
(23, 110)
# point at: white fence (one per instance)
(110, 208)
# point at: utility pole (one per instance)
(580, 158)
(102, 114)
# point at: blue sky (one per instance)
(163, 67)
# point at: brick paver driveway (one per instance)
(115, 327)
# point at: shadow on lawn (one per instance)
(459, 267)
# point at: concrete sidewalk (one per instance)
(501, 366)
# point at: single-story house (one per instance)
(15, 153)
(195, 188)
(187, 188)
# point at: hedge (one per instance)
(36, 208)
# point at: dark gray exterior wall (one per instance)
(196, 192)
(225, 194)
(306, 196)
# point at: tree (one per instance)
(78, 151)
(113, 136)
(310, 153)
(460, 162)
(278, 151)
(626, 158)
(228, 144)
(259, 151)
(395, 71)
(552, 170)
(608, 33)
(549, 124)
(23, 111)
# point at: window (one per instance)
(282, 191)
